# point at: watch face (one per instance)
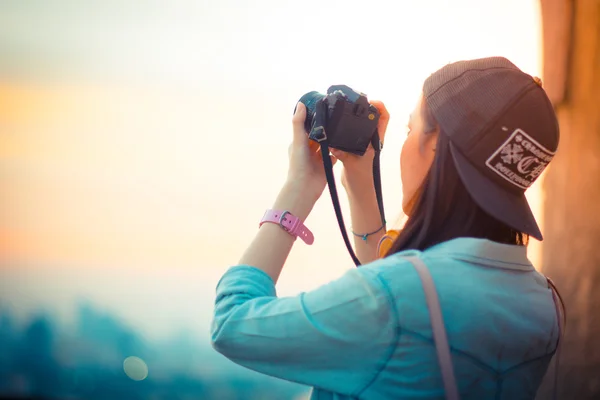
(385, 244)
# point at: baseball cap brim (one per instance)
(508, 207)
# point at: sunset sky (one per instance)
(140, 145)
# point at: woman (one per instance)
(483, 131)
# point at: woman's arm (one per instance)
(303, 187)
(271, 245)
(364, 213)
(336, 337)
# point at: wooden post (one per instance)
(571, 188)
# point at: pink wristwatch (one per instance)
(290, 223)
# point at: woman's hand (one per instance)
(358, 170)
(306, 171)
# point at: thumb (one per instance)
(300, 135)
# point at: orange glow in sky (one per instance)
(155, 141)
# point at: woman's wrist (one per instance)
(294, 197)
(360, 187)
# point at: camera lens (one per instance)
(310, 100)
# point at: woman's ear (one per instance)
(429, 142)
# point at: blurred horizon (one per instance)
(141, 142)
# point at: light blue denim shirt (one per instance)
(367, 334)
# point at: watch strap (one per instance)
(290, 223)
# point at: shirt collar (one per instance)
(483, 251)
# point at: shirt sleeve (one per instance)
(337, 337)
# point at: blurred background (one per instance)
(141, 142)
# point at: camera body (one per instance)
(343, 117)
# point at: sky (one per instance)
(141, 141)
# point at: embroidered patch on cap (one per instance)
(520, 160)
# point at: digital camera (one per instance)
(343, 117)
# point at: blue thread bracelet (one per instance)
(366, 235)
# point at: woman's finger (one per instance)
(300, 136)
(384, 118)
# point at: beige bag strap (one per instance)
(561, 319)
(439, 330)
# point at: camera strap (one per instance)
(321, 116)
(378, 146)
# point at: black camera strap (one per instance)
(320, 123)
(378, 146)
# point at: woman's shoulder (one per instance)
(394, 272)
